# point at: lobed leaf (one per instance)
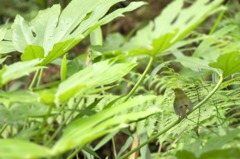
(169, 27)
(84, 130)
(16, 70)
(228, 63)
(57, 32)
(98, 74)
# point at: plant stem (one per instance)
(57, 132)
(140, 79)
(173, 123)
(44, 123)
(220, 16)
(34, 80)
(39, 77)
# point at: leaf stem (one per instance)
(39, 77)
(140, 79)
(171, 125)
(34, 80)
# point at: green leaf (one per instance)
(73, 15)
(19, 112)
(17, 70)
(23, 96)
(19, 149)
(47, 96)
(198, 147)
(60, 49)
(104, 140)
(228, 63)
(3, 59)
(6, 47)
(44, 26)
(183, 154)
(194, 63)
(91, 151)
(209, 48)
(76, 64)
(84, 130)
(90, 78)
(22, 34)
(2, 33)
(64, 68)
(96, 37)
(58, 32)
(227, 153)
(113, 42)
(219, 141)
(119, 12)
(169, 27)
(32, 52)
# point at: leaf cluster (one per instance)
(109, 94)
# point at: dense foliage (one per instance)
(121, 85)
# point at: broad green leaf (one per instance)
(84, 130)
(44, 25)
(20, 149)
(209, 49)
(17, 70)
(92, 77)
(199, 147)
(169, 27)
(8, 98)
(58, 32)
(228, 63)
(115, 14)
(22, 34)
(194, 63)
(72, 16)
(142, 38)
(60, 49)
(2, 33)
(6, 47)
(112, 43)
(98, 12)
(226, 153)
(218, 142)
(18, 113)
(32, 52)
(76, 64)
(183, 154)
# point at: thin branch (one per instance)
(140, 79)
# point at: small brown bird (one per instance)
(181, 103)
